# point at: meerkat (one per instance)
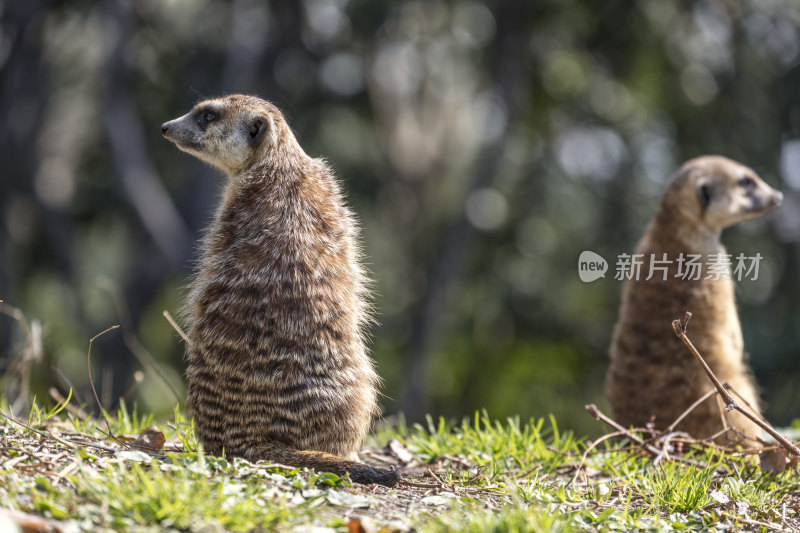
(277, 364)
(651, 375)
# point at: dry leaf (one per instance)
(27, 523)
(151, 438)
(399, 450)
(361, 525)
(720, 497)
(773, 460)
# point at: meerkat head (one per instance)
(719, 192)
(231, 133)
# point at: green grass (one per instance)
(487, 475)
(505, 445)
(177, 493)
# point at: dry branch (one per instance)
(679, 327)
(597, 414)
(657, 453)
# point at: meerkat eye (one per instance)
(704, 194)
(747, 182)
(210, 116)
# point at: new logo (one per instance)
(591, 266)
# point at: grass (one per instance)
(478, 474)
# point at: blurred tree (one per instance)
(484, 144)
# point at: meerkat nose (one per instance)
(164, 128)
(777, 198)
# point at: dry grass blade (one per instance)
(689, 409)
(592, 445)
(597, 414)
(132, 342)
(91, 380)
(17, 375)
(175, 326)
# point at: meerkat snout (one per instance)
(726, 193)
(228, 134)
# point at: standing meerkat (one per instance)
(277, 364)
(651, 374)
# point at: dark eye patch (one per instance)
(205, 117)
(704, 194)
(747, 182)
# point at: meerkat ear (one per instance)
(704, 194)
(257, 130)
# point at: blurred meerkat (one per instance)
(652, 375)
(277, 364)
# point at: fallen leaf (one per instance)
(773, 460)
(742, 508)
(346, 499)
(11, 520)
(438, 499)
(399, 450)
(150, 437)
(133, 455)
(361, 525)
(720, 497)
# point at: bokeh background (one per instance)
(483, 144)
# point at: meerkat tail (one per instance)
(323, 462)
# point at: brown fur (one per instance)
(277, 365)
(651, 373)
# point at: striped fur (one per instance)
(277, 364)
(652, 375)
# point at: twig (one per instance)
(595, 412)
(95, 446)
(768, 525)
(66, 471)
(691, 408)
(589, 448)
(131, 341)
(666, 439)
(175, 326)
(652, 450)
(94, 390)
(70, 445)
(12, 419)
(50, 435)
(406, 483)
(91, 380)
(679, 327)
